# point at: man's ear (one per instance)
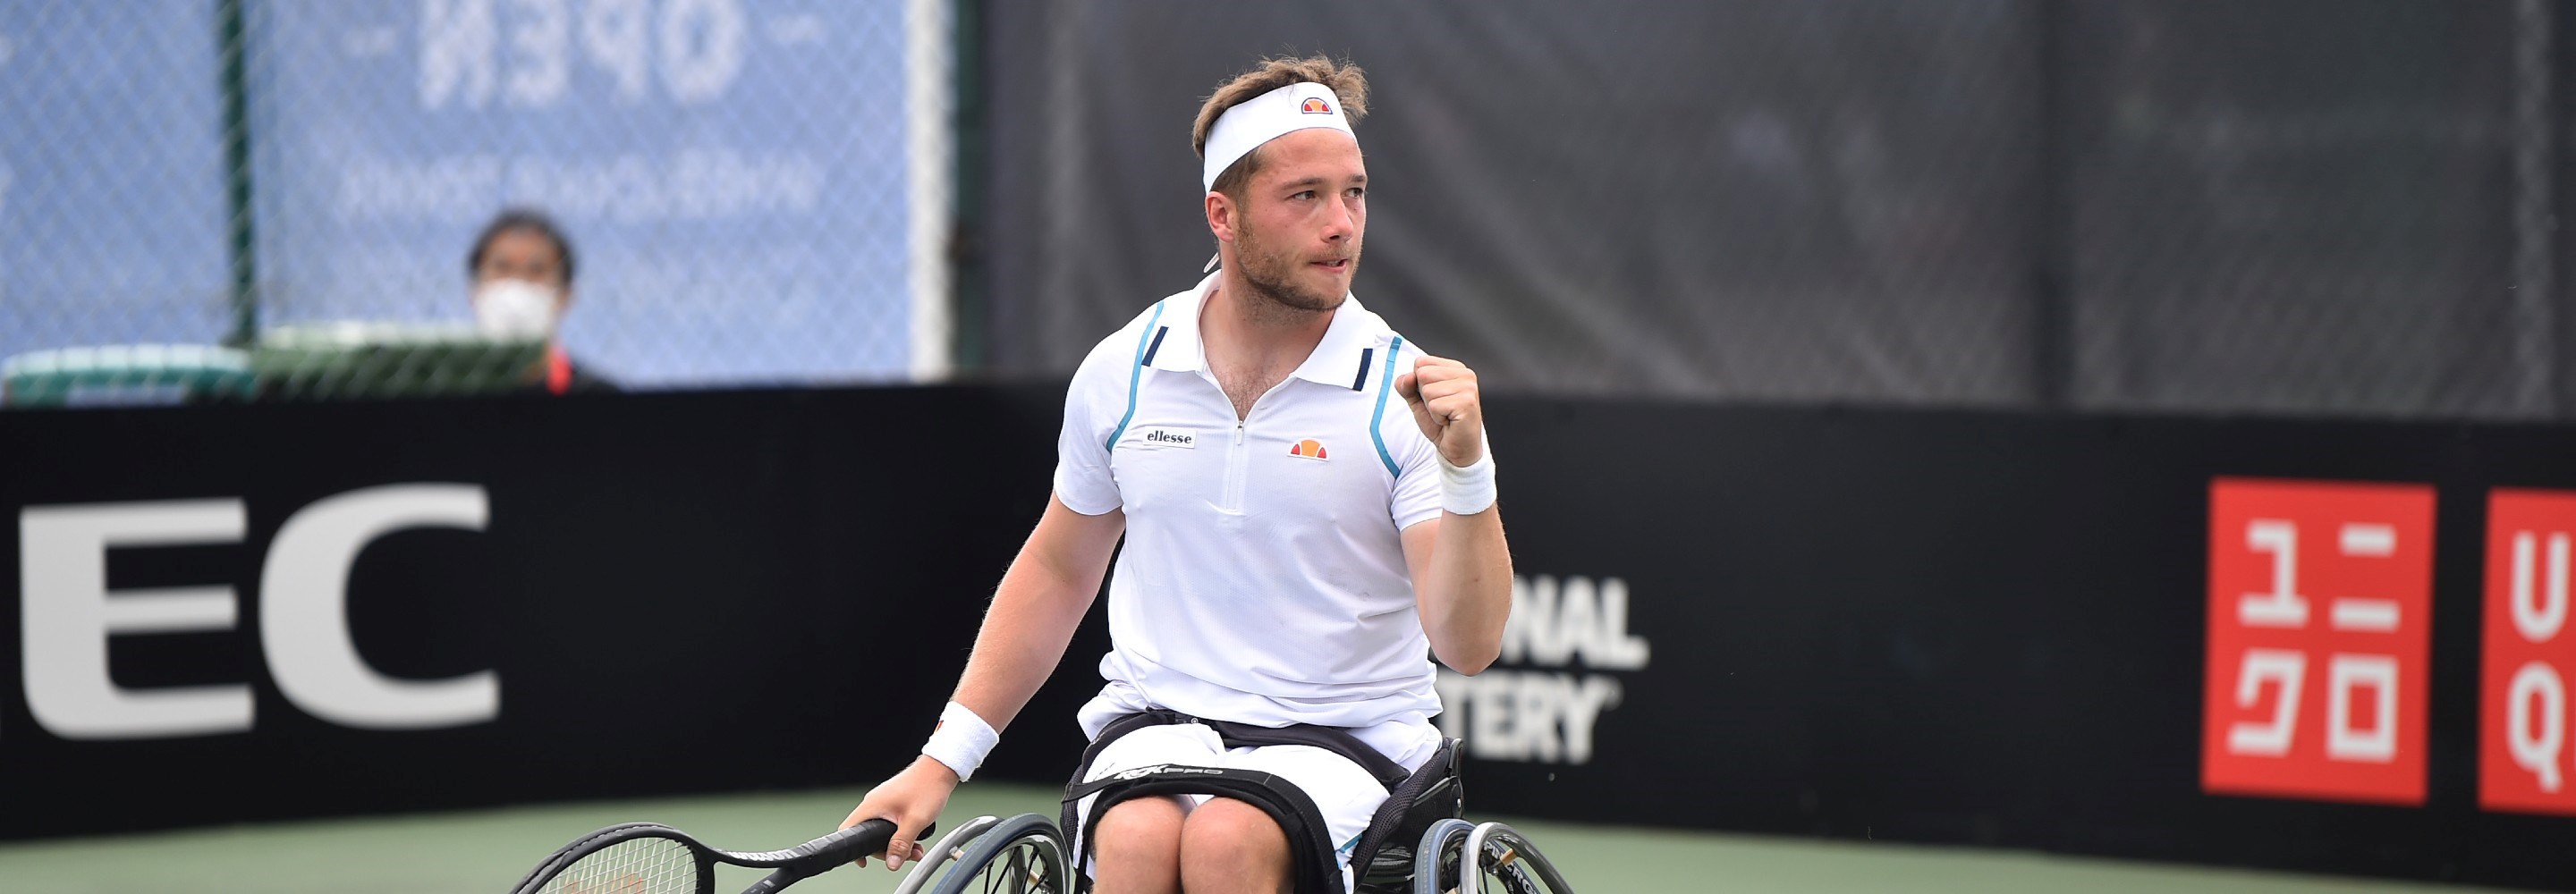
(1221, 216)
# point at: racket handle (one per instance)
(828, 852)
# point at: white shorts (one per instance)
(1346, 795)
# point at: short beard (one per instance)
(1274, 296)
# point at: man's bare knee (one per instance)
(1136, 847)
(1230, 846)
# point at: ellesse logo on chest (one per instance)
(1169, 437)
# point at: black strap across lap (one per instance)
(1244, 735)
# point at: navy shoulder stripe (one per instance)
(1157, 346)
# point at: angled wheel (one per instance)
(1495, 858)
(1020, 855)
(950, 847)
(1435, 860)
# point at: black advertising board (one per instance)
(1981, 628)
(671, 593)
(1931, 626)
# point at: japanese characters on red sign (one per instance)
(2523, 760)
(2320, 631)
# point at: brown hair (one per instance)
(1346, 80)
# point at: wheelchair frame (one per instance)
(1491, 851)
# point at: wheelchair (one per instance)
(1028, 854)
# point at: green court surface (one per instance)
(484, 852)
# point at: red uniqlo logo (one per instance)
(2320, 629)
(2523, 761)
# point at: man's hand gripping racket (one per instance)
(651, 858)
(911, 798)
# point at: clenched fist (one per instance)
(1446, 404)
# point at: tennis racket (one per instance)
(651, 858)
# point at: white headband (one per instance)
(1266, 117)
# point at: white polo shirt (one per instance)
(1263, 580)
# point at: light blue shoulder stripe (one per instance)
(1385, 383)
(1136, 374)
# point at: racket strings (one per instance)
(633, 866)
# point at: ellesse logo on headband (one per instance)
(1315, 105)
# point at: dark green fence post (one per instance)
(245, 283)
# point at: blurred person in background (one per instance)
(522, 270)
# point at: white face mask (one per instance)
(515, 310)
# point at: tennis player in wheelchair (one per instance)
(1308, 505)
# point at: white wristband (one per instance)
(961, 741)
(1469, 490)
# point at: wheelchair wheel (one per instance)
(1020, 855)
(1503, 862)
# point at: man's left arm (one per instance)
(1461, 566)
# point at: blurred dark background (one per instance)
(2339, 206)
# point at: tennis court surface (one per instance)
(484, 852)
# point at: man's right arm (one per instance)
(1043, 597)
(1041, 600)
